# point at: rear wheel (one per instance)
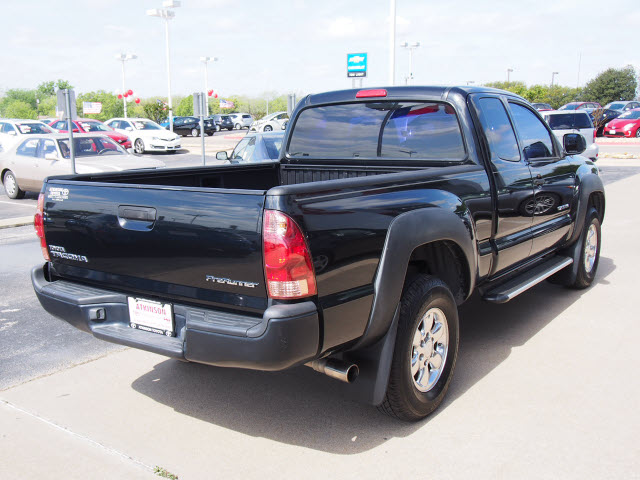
(267, 128)
(638, 133)
(238, 126)
(11, 187)
(425, 352)
(138, 146)
(194, 132)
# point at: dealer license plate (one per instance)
(150, 316)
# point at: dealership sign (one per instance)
(356, 64)
(91, 107)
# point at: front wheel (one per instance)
(194, 132)
(590, 251)
(138, 146)
(238, 126)
(267, 128)
(425, 352)
(638, 133)
(11, 187)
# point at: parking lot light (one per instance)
(123, 57)
(553, 76)
(167, 14)
(206, 61)
(509, 70)
(411, 47)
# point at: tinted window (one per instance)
(273, 146)
(246, 116)
(114, 124)
(569, 121)
(384, 129)
(31, 128)
(498, 130)
(90, 146)
(535, 138)
(46, 147)
(28, 148)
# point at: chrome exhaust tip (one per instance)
(332, 367)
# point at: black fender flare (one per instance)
(587, 182)
(407, 232)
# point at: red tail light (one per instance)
(287, 261)
(594, 134)
(38, 223)
(378, 92)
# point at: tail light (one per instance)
(287, 261)
(38, 223)
(594, 134)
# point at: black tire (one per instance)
(586, 275)
(267, 128)
(11, 187)
(403, 399)
(195, 132)
(638, 133)
(238, 126)
(138, 146)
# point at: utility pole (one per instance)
(411, 47)
(509, 70)
(392, 44)
(553, 76)
(123, 57)
(206, 61)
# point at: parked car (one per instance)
(222, 121)
(255, 147)
(12, 130)
(626, 125)
(241, 120)
(622, 106)
(25, 165)
(600, 118)
(563, 122)
(184, 126)
(146, 134)
(90, 125)
(274, 121)
(542, 107)
(388, 186)
(588, 106)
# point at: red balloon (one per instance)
(137, 100)
(130, 92)
(210, 92)
(119, 97)
(215, 96)
(125, 95)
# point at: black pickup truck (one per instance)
(387, 209)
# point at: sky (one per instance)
(300, 46)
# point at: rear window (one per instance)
(616, 106)
(568, 121)
(378, 130)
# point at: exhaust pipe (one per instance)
(334, 368)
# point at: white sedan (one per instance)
(146, 135)
(273, 122)
(11, 131)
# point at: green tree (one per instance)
(612, 85)
(155, 110)
(19, 109)
(111, 105)
(185, 107)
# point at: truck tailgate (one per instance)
(196, 245)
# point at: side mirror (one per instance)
(222, 156)
(51, 156)
(129, 129)
(574, 143)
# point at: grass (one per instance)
(163, 473)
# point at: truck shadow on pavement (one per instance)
(304, 408)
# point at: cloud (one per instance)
(347, 27)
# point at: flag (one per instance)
(227, 104)
(91, 107)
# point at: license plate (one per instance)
(612, 131)
(150, 316)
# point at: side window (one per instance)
(124, 125)
(114, 124)
(535, 138)
(240, 148)
(498, 130)
(8, 128)
(47, 146)
(28, 148)
(248, 152)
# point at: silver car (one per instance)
(622, 106)
(566, 121)
(255, 147)
(241, 120)
(25, 165)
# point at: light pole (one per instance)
(509, 70)
(411, 47)
(206, 61)
(553, 76)
(167, 14)
(123, 57)
(392, 44)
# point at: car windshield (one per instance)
(569, 121)
(569, 106)
(146, 125)
(91, 147)
(95, 127)
(378, 130)
(630, 115)
(616, 106)
(31, 128)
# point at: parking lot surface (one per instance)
(545, 387)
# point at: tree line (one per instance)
(610, 85)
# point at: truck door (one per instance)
(553, 179)
(513, 185)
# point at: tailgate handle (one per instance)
(133, 217)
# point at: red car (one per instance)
(90, 125)
(626, 125)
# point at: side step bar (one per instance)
(514, 287)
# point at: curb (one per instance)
(16, 222)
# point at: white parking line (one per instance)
(19, 204)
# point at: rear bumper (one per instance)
(285, 336)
